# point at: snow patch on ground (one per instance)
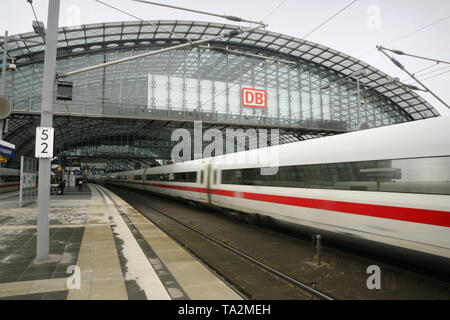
(28, 216)
(138, 267)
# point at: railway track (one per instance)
(243, 255)
(261, 281)
(262, 264)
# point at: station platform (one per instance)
(101, 248)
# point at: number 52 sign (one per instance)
(44, 142)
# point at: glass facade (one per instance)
(311, 89)
(306, 84)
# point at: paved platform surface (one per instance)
(100, 248)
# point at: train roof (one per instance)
(422, 138)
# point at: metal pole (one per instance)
(318, 237)
(47, 121)
(21, 183)
(3, 86)
(358, 105)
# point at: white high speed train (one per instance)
(9, 180)
(390, 185)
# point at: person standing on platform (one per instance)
(80, 185)
(61, 186)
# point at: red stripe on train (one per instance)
(424, 216)
(182, 188)
(432, 217)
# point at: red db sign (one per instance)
(254, 98)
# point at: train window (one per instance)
(174, 177)
(9, 178)
(139, 177)
(186, 176)
(152, 177)
(215, 177)
(418, 175)
(201, 177)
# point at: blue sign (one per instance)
(7, 152)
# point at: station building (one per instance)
(121, 117)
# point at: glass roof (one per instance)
(80, 46)
(82, 39)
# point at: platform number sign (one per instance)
(44, 142)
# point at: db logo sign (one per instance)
(254, 98)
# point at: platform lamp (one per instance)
(12, 67)
(5, 111)
(39, 28)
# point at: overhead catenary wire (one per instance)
(228, 17)
(144, 21)
(35, 16)
(402, 53)
(436, 75)
(273, 10)
(413, 76)
(426, 68)
(329, 19)
(405, 36)
(400, 66)
(421, 75)
(430, 72)
(228, 34)
(430, 75)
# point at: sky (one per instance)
(419, 27)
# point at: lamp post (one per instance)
(3, 86)
(47, 121)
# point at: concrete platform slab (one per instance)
(118, 253)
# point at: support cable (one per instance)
(228, 17)
(228, 34)
(144, 21)
(402, 53)
(326, 21)
(400, 66)
(35, 16)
